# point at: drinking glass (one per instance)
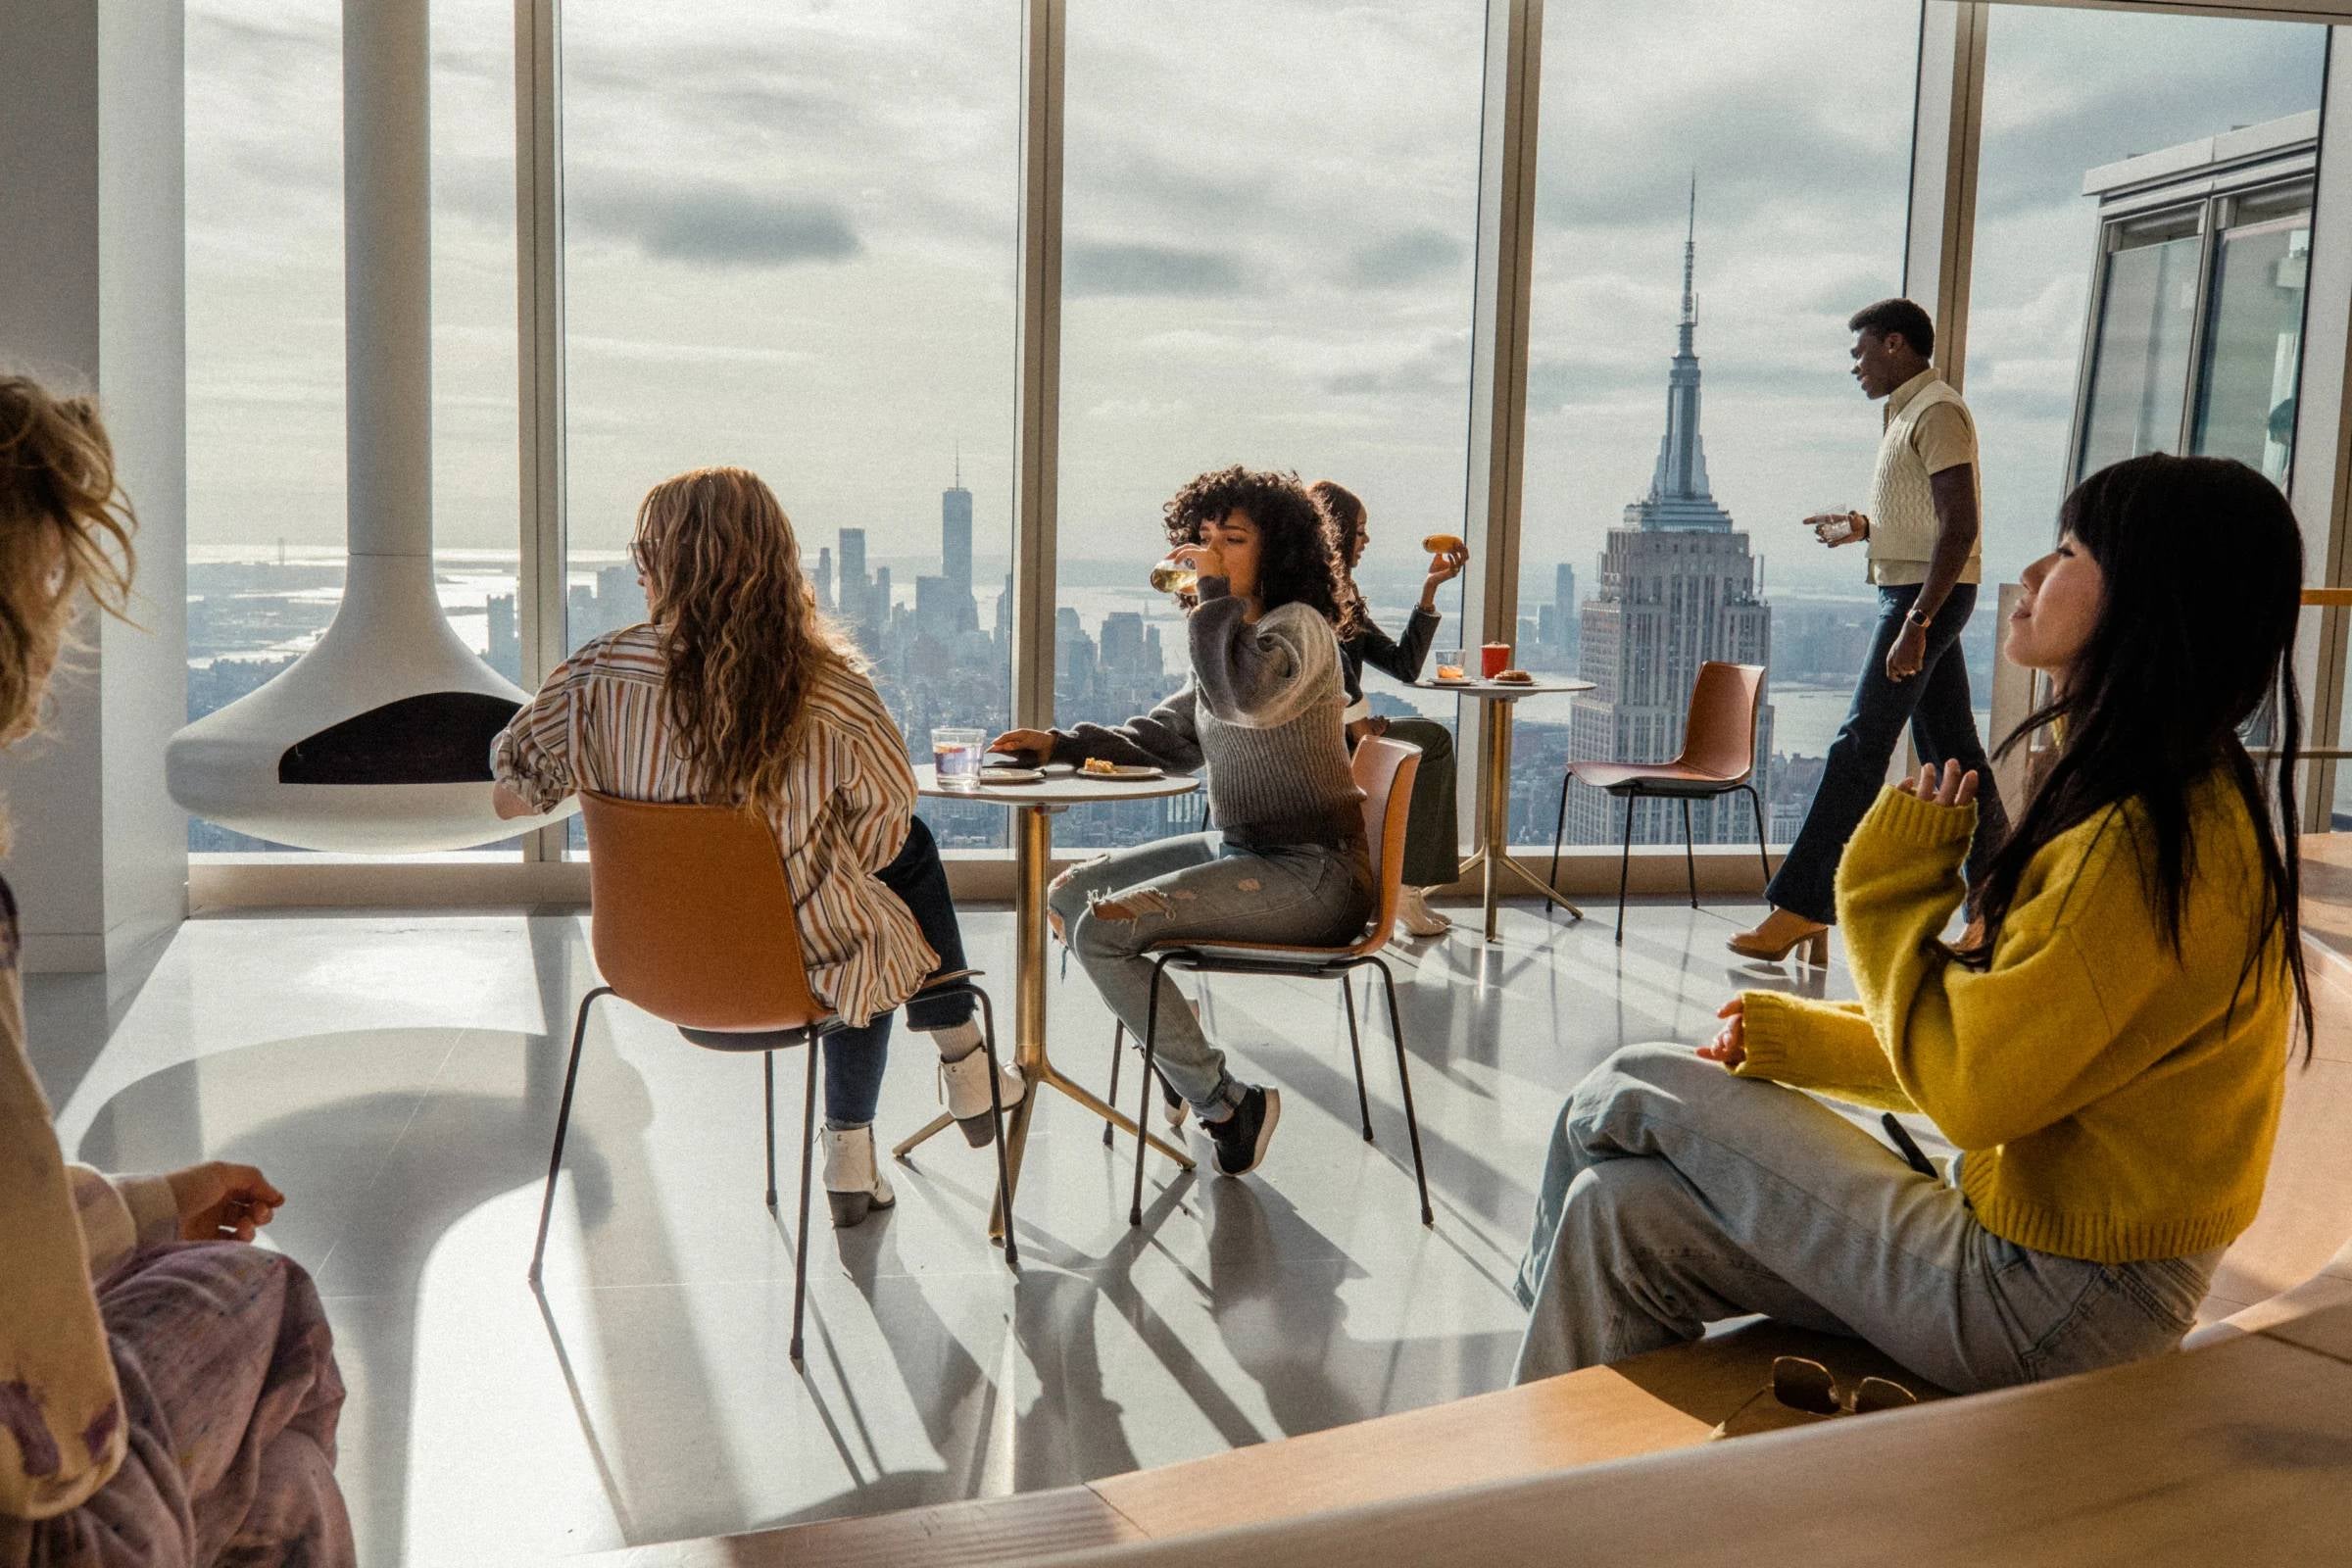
(1493, 659)
(1450, 663)
(956, 755)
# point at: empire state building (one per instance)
(1677, 588)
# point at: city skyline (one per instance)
(823, 317)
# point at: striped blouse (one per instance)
(601, 722)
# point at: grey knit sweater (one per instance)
(1261, 711)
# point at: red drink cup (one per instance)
(1493, 659)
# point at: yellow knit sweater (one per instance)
(2117, 1102)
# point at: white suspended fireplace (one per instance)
(377, 739)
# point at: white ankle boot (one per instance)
(1414, 917)
(963, 1083)
(855, 1185)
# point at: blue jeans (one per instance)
(1201, 887)
(855, 1058)
(1677, 1194)
(1943, 727)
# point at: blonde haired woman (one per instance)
(160, 1403)
(740, 689)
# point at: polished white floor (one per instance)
(397, 1077)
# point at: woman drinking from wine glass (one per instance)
(1287, 861)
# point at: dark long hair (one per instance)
(1347, 515)
(2203, 571)
(1299, 556)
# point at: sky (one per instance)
(791, 230)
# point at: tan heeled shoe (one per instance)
(1780, 934)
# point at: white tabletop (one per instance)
(1506, 691)
(1058, 789)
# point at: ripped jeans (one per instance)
(1202, 888)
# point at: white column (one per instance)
(92, 249)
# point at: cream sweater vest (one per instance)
(1902, 507)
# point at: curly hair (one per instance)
(741, 632)
(65, 529)
(1299, 561)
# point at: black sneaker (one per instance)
(1242, 1137)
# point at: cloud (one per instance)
(1096, 269)
(708, 225)
(1557, 381)
(1416, 255)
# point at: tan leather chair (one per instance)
(692, 919)
(1384, 771)
(1719, 756)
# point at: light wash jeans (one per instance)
(1677, 1194)
(1201, 887)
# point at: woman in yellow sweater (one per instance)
(2107, 1051)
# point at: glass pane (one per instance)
(1682, 424)
(2254, 345)
(1261, 275)
(789, 246)
(2058, 143)
(264, 299)
(2139, 363)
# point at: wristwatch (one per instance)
(1917, 619)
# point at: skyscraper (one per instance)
(956, 534)
(850, 596)
(1677, 588)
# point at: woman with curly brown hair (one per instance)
(160, 1402)
(1288, 861)
(740, 690)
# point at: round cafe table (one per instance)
(1494, 760)
(1034, 807)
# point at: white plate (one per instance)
(1010, 775)
(1125, 772)
(1452, 680)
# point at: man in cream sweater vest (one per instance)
(1923, 540)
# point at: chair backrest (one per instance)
(1719, 735)
(691, 917)
(1385, 770)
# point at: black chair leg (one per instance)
(995, 1106)
(1756, 804)
(1118, 1038)
(555, 1161)
(1404, 1081)
(1559, 829)
(1689, 855)
(800, 1251)
(1625, 866)
(767, 1084)
(1143, 1106)
(1355, 1047)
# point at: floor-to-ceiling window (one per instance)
(1721, 186)
(2112, 171)
(264, 304)
(789, 246)
(1269, 220)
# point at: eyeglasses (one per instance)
(641, 552)
(1802, 1384)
